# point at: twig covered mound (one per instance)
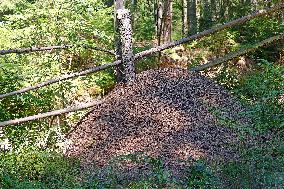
(168, 113)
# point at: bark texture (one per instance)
(125, 31)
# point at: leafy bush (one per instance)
(264, 89)
(34, 167)
(259, 167)
(43, 23)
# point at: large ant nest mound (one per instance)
(168, 113)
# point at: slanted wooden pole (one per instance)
(49, 114)
(125, 32)
(238, 53)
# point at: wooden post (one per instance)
(125, 32)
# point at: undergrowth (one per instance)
(263, 90)
(261, 164)
(33, 169)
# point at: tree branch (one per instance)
(49, 114)
(37, 49)
(233, 55)
(62, 78)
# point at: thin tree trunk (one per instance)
(222, 13)
(159, 25)
(133, 11)
(159, 21)
(184, 18)
(192, 17)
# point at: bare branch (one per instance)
(38, 49)
(62, 78)
(209, 32)
(49, 114)
(233, 55)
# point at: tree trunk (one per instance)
(222, 13)
(192, 17)
(159, 20)
(125, 31)
(167, 21)
(184, 18)
(133, 12)
(118, 4)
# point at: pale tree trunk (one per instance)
(118, 4)
(155, 15)
(127, 56)
(123, 40)
(192, 17)
(184, 18)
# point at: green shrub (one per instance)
(35, 168)
(263, 89)
(32, 168)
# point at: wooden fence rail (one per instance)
(140, 56)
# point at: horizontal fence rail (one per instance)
(55, 47)
(137, 57)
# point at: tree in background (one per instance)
(192, 17)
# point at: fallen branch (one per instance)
(62, 78)
(49, 114)
(233, 55)
(37, 49)
(210, 31)
(150, 51)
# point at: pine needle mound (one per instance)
(167, 113)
